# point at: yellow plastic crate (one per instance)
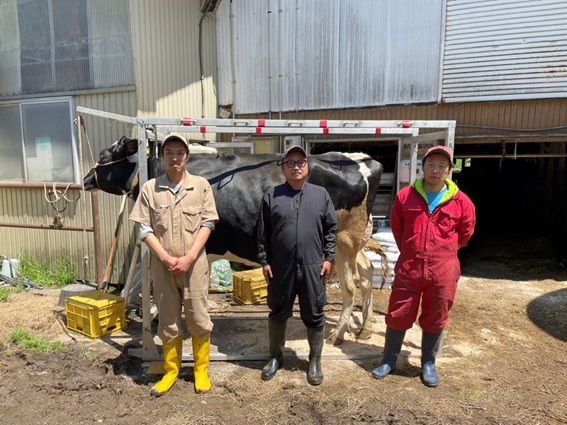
(95, 314)
(249, 287)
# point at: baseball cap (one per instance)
(442, 150)
(293, 149)
(175, 137)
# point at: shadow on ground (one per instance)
(549, 313)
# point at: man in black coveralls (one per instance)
(297, 228)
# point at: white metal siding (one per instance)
(290, 55)
(165, 39)
(505, 49)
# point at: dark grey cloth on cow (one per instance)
(296, 231)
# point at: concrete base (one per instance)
(74, 289)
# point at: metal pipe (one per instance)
(97, 244)
(49, 227)
(494, 140)
(67, 186)
(512, 156)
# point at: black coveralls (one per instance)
(296, 230)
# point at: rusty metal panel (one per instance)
(291, 55)
(537, 116)
(505, 50)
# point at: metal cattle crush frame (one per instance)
(404, 131)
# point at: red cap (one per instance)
(443, 150)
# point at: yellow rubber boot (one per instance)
(202, 354)
(172, 352)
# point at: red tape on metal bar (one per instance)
(378, 131)
(261, 123)
(258, 130)
(203, 129)
(323, 123)
(186, 121)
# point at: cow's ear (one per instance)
(131, 146)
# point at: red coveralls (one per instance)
(428, 268)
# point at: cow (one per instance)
(239, 182)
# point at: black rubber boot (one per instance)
(277, 342)
(315, 337)
(392, 347)
(430, 344)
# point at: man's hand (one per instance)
(182, 265)
(325, 270)
(267, 270)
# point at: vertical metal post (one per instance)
(149, 348)
(96, 228)
(413, 162)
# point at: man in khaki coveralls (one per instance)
(177, 213)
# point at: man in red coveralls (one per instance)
(430, 220)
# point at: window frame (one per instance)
(73, 132)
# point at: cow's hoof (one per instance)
(334, 340)
(365, 334)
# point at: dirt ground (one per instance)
(504, 362)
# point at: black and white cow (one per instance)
(238, 183)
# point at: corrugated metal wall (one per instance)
(10, 76)
(506, 49)
(165, 38)
(287, 55)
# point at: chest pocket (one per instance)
(449, 217)
(161, 217)
(191, 219)
(415, 215)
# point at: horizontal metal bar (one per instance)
(377, 139)
(512, 156)
(108, 115)
(407, 132)
(50, 227)
(188, 357)
(523, 138)
(22, 185)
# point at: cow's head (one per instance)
(117, 170)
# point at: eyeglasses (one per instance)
(299, 163)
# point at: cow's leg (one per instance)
(346, 269)
(365, 271)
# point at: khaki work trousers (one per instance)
(189, 291)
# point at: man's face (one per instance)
(175, 156)
(436, 169)
(295, 167)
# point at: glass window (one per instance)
(42, 149)
(11, 149)
(60, 46)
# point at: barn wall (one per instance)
(166, 60)
(282, 55)
(503, 50)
